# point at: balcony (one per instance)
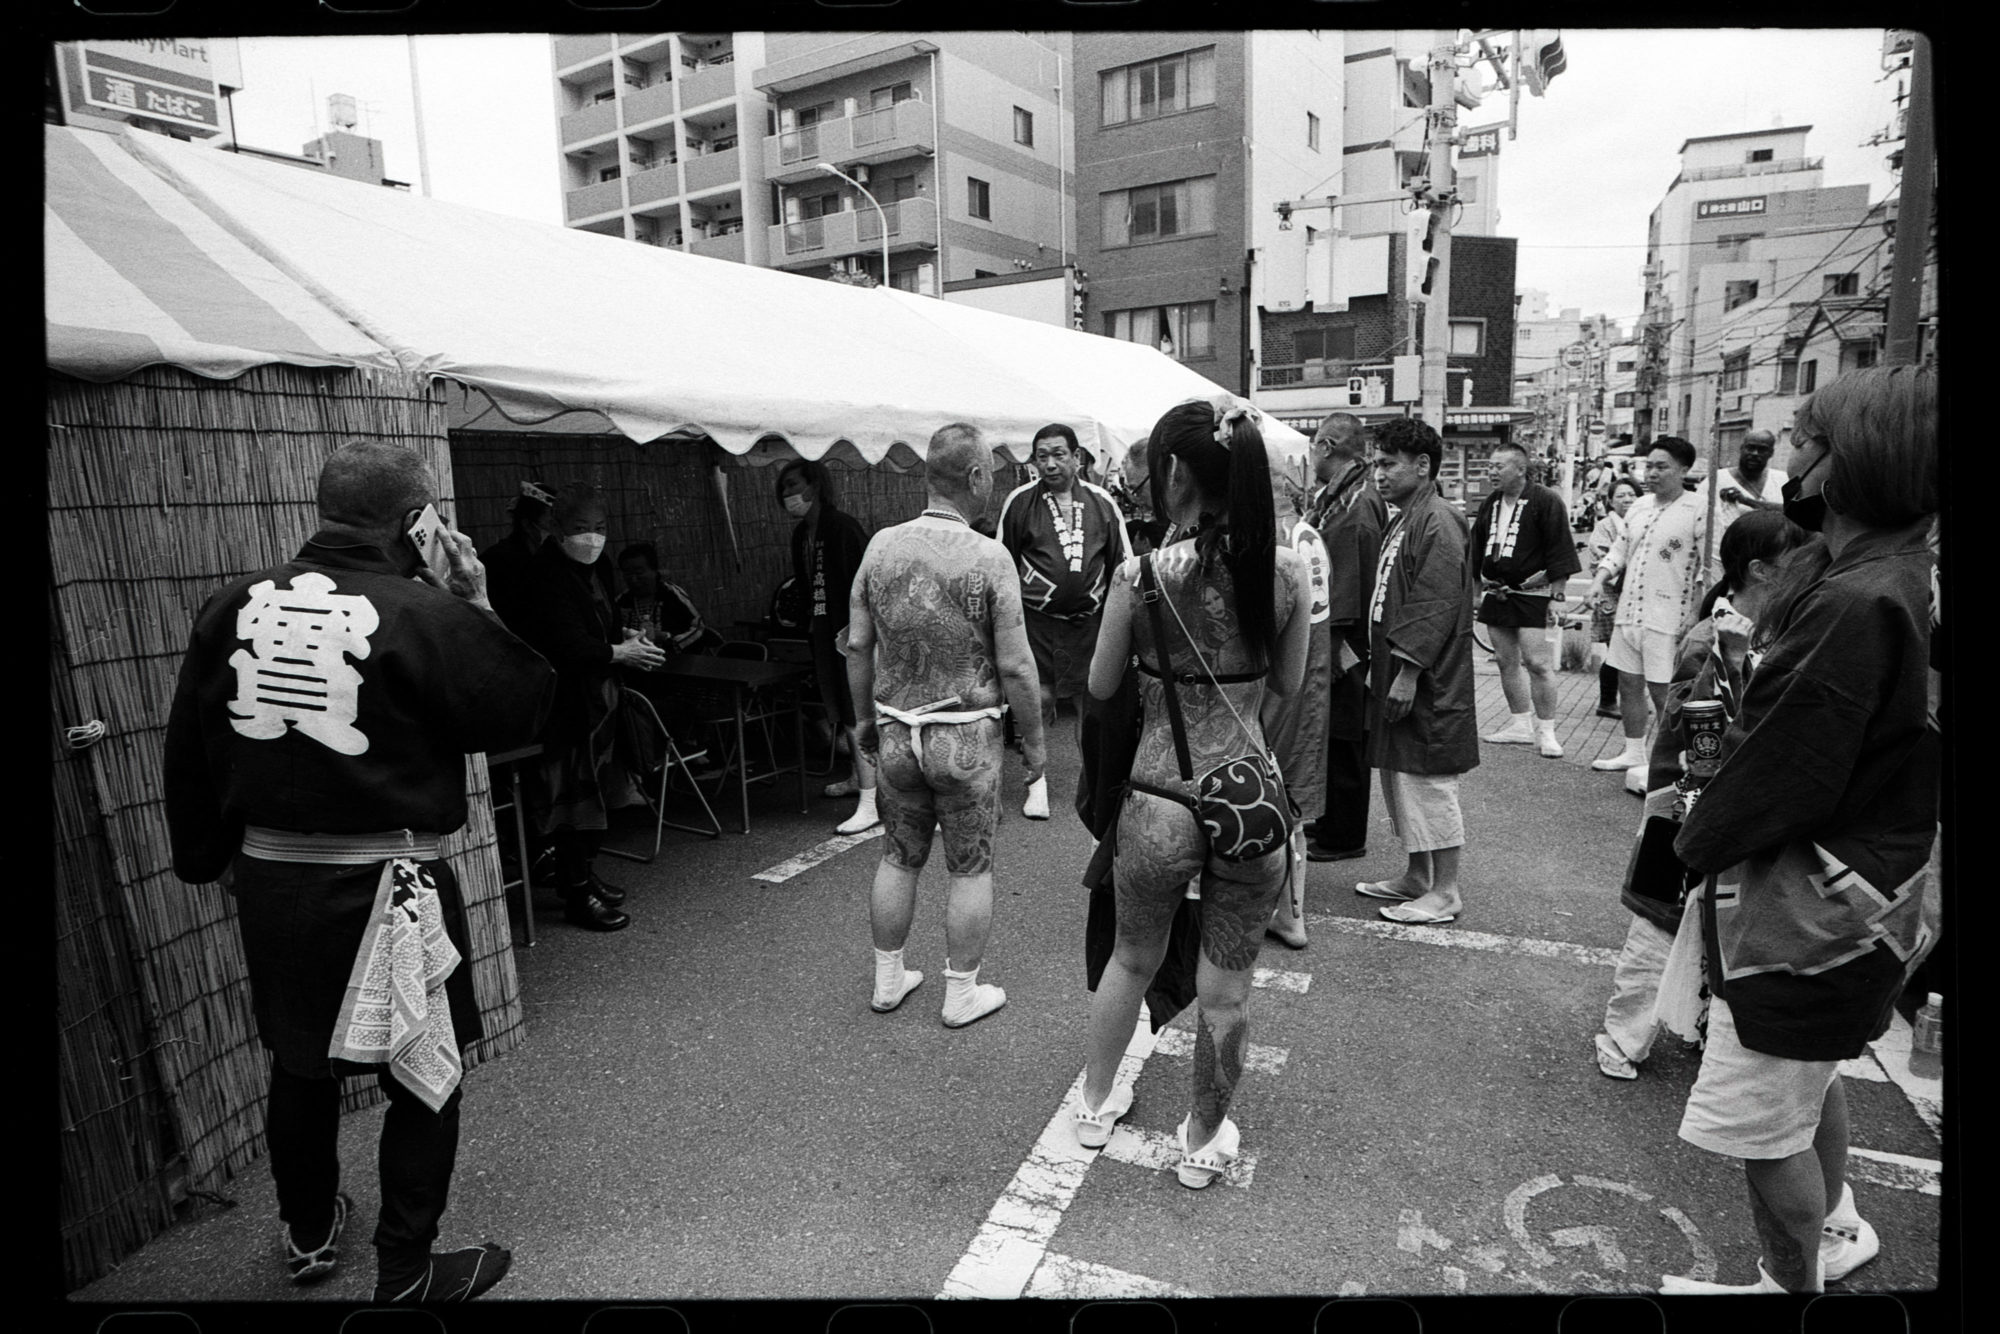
(649, 103)
(714, 169)
(814, 241)
(654, 184)
(728, 247)
(900, 131)
(701, 86)
(590, 123)
(803, 59)
(585, 46)
(604, 197)
(1736, 169)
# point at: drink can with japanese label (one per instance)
(1702, 721)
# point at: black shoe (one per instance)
(604, 891)
(593, 914)
(311, 1266)
(452, 1276)
(1316, 853)
(1608, 711)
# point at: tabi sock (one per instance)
(965, 999)
(892, 980)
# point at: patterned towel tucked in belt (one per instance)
(395, 1009)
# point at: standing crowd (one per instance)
(1775, 681)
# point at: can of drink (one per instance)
(1702, 720)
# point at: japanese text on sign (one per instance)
(1729, 208)
(1481, 143)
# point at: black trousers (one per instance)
(418, 1149)
(1344, 824)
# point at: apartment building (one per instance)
(660, 138)
(758, 148)
(1742, 225)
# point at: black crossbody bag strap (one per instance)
(1150, 594)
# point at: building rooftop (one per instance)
(1743, 134)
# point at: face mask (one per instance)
(796, 506)
(584, 548)
(1808, 512)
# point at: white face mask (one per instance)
(797, 505)
(584, 548)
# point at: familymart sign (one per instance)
(165, 79)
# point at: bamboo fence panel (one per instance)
(663, 493)
(161, 488)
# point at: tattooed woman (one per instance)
(1243, 604)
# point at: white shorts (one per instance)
(1641, 652)
(1423, 810)
(1745, 1104)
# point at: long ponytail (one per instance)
(1237, 475)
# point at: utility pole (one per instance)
(1440, 197)
(1913, 217)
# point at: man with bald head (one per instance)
(1753, 484)
(936, 646)
(316, 751)
(1349, 515)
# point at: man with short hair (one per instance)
(936, 641)
(1662, 552)
(1066, 535)
(1421, 735)
(1523, 552)
(316, 748)
(1349, 514)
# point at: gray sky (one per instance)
(1590, 161)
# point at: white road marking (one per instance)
(1013, 1240)
(1065, 1277)
(1892, 1049)
(813, 856)
(1160, 1151)
(1896, 1170)
(1454, 937)
(1864, 1066)
(1276, 979)
(1412, 1235)
(1264, 1060)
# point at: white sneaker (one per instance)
(1616, 763)
(1548, 747)
(1036, 807)
(1511, 735)
(1847, 1241)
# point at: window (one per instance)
(902, 187)
(604, 96)
(1024, 127)
(1808, 377)
(1625, 366)
(1312, 132)
(984, 273)
(1624, 398)
(1468, 189)
(1332, 343)
(818, 206)
(1788, 375)
(1158, 212)
(1468, 338)
(1841, 284)
(1857, 356)
(1184, 332)
(1157, 87)
(1738, 292)
(607, 174)
(905, 280)
(978, 198)
(1759, 155)
(888, 97)
(1735, 370)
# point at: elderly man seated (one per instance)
(659, 607)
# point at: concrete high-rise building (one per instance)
(757, 147)
(1745, 228)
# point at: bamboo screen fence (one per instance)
(161, 488)
(663, 493)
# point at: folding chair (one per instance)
(800, 651)
(671, 758)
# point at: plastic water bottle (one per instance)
(1927, 1040)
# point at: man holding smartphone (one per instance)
(316, 753)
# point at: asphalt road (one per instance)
(707, 1108)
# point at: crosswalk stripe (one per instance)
(1458, 938)
(1277, 979)
(1160, 1151)
(1264, 1060)
(1064, 1276)
(1896, 1170)
(814, 855)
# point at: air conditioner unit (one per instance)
(859, 171)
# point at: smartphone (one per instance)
(427, 535)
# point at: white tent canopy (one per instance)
(570, 330)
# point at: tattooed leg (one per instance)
(1157, 855)
(1222, 1035)
(1788, 1202)
(968, 919)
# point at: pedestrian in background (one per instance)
(506, 562)
(1296, 722)
(1604, 609)
(1524, 554)
(827, 545)
(1818, 828)
(1421, 732)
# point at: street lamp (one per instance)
(829, 168)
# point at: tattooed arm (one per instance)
(1295, 615)
(1016, 662)
(861, 652)
(1114, 634)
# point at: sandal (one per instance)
(314, 1265)
(1093, 1129)
(1612, 1062)
(1202, 1166)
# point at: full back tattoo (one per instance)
(937, 593)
